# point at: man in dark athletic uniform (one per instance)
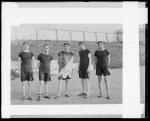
(26, 60)
(84, 68)
(44, 71)
(102, 59)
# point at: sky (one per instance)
(78, 27)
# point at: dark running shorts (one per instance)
(61, 78)
(25, 75)
(83, 74)
(44, 76)
(104, 71)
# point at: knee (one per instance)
(99, 78)
(41, 83)
(60, 81)
(29, 83)
(105, 79)
(23, 84)
(46, 83)
(86, 81)
(66, 80)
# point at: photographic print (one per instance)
(74, 59)
(103, 85)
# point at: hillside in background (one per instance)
(115, 50)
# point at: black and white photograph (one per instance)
(82, 67)
(79, 65)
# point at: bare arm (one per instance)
(72, 58)
(58, 60)
(95, 61)
(108, 59)
(90, 60)
(18, 70)
(19, 63)
(79, 65)
(38, 63)
(33, 61)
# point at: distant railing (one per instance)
(62, 34)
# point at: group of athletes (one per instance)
(65, 62)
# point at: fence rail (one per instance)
(20, 33)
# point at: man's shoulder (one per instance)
(96, 51)
(87, 50)
(40, 54)
(71, 53)
(62, 52)
(20, 52)
(50, 55)
(106, 51)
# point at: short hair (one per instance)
(25, 43)
(81, 43)
(66, 43)
(45, 45)
(100, 42)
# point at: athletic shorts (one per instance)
(102, 71)
(83, 73)
(62, 78)
(26, 76)
(44, 76)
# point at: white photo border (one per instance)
(129, 15)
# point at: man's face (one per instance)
(46, 48)
(101, 45)
(82, 46)
(26, 47)
(66, 47)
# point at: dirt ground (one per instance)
(115, 83)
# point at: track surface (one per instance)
(115, 82)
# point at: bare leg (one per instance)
(83, 85)
(40, 89)
(29, 88)
(107, 86)
(59, 87)
(40, 86)
(66, 87)
(46, 87)
(99, 85)
(87, 86)
(23, 89)
(46, 90)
